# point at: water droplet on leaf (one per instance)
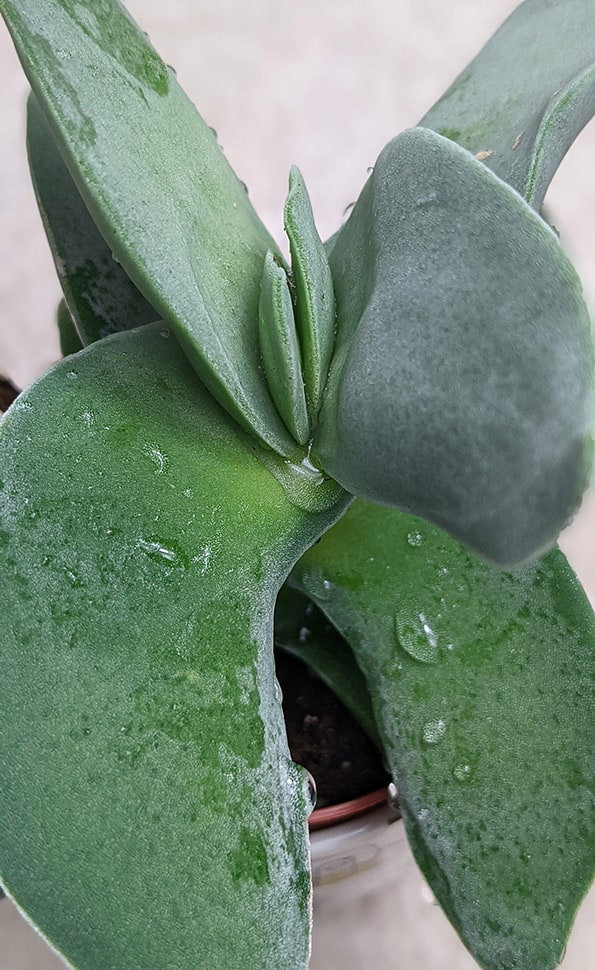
(433, 731)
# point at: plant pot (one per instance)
(372, 907)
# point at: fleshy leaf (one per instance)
(100, 296)
(156, 183)
(523, 100)
(280, 349)
(460, 387)
(302, 630)
(314, 298)
(70, 342)
(482, 689)
(149, 807)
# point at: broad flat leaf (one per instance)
(280, 349)
(157, 185)
(314, 298)
(302, 630)
(524, 99)
(100, 296)
(150, 814)
(460, 388)
(482, 689)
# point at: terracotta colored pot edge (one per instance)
(321, 818)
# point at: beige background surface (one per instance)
(322, 84)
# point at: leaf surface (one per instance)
(280, 350)
(302, 630)
(150, 812)
(526, 96)
(156, 183)
(482, 688)
(314, 299)
(461, 386)
(100, 297)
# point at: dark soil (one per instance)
(325, 737)
(7, 394)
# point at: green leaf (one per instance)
(100, 296)
(527, 95)
(482, 690)
(280, 349)
(70, 342)
(150, 814)
(304, 632)
(159, 189)
(460, 387)
(314, 298)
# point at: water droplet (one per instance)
(462, 772)
(427, 895)
(433, 731)
(164, 333)
(415, 538)
(310, 790)
(417, 639)
(167, 553)
(424, 200)
(155, 549)
(72, 578)
(317, 585)
(304, 634)
(157, 457)
(392, 796)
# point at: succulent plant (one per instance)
(394, 424)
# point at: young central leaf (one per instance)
(314, 297)
(280, 349)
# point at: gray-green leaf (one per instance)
(302, 630)
(314, 298)
(159, 189)
(150, 814)
(482, 688)
(100, 297)
(526, 96)
(460, 387)
(280, 349)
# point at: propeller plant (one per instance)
(395, 426)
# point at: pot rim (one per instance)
(322, 818)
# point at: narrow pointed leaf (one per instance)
(460, 388)
(70, 342)
(302, 630)
(526, 96)
(482, 688)
(157, 185)
(100, 296)
(280, 349)
(314, 298)
(150, 814)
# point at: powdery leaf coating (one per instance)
(460, 388)
(149, 806)
(481, 683)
